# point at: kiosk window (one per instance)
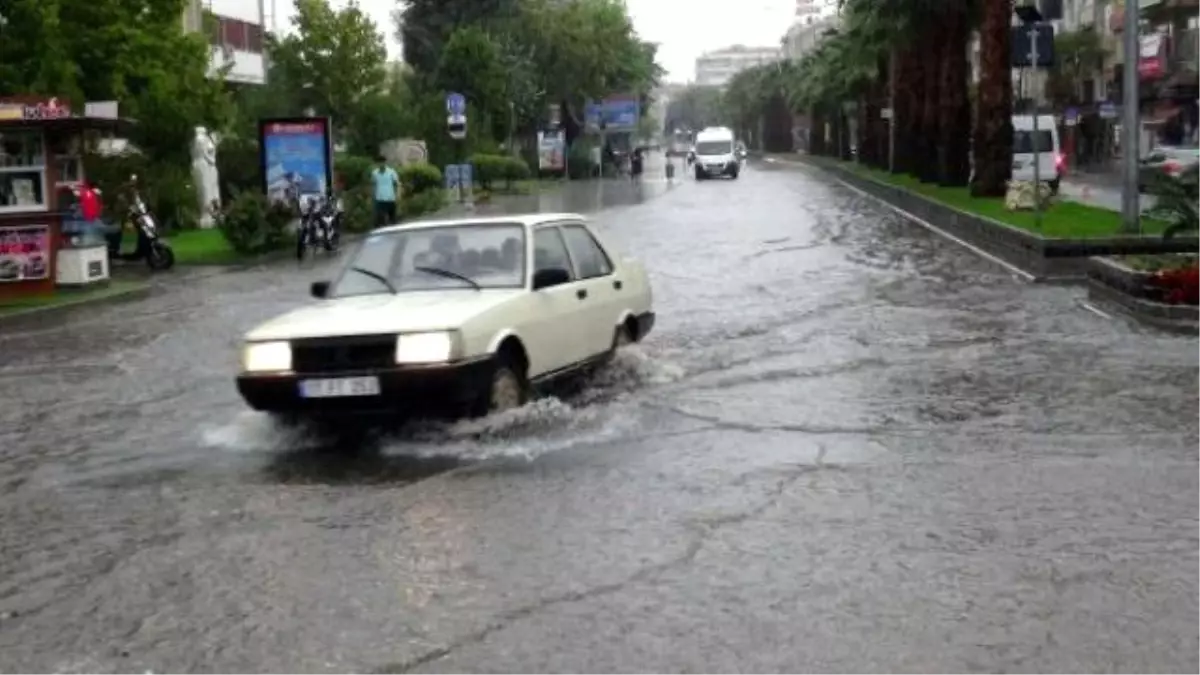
(22, 171)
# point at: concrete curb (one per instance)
(1024, 253)
(22, 317)
(1113, 285)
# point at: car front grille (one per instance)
(343, 354)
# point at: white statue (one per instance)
(204, 173)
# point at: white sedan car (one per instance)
(469, 315)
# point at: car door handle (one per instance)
(617, 284)
(581, 293)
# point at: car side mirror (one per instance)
(320, 289)
(550, 276)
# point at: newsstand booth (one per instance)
(44, 241)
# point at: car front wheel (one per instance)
(505, 390)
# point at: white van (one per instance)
(1049, 151)
(715, 153)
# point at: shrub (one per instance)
(253, 225)
(358, 207)
(487, 169)
(167, 189)
(1178, 286)
(352, 171)
(420, 177)
(1177, 201)
(238, 166)
(491, 169)
(514, 169)
(422, 203)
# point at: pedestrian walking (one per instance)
(387, 188)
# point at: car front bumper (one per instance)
(431, 389)
(714, 169)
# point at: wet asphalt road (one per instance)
(848, 446)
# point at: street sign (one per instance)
(457, 124)
(885, 113)
(456, 104)
(1108, 110)
(457, 175)
(1071, 117)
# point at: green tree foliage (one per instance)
(425, 26)
(698, 106)
(332, 62)
(131, 51)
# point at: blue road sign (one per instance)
(1108, 110)
(456, 104)
(457, 175)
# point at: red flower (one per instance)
(1179, 286)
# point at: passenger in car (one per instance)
(510, 253)
(490, 258)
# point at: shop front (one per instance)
(44, 241)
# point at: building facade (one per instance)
(716, 68)
(237, 37)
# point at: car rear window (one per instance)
(1023, 141)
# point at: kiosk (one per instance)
(43, 241)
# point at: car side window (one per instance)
(590, 260)
(549, 250)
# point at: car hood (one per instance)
(382, 313)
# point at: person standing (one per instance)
(387, 187)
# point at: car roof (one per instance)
(527, 220)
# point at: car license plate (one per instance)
(343, 386)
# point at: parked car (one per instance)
(1045, 146)
(1166, 160)
(467, 316)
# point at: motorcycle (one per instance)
(150, 246)
(320, 225)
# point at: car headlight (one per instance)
(436, 347)
(266, 357)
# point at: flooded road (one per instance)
(847, 446)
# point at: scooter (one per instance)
(150, 246)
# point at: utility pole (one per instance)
(1130, 208)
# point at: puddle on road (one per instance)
(588, 412)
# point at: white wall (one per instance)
(248, 67)
(245, 10)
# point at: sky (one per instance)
(684, 29)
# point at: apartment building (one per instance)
(237, 37)
(716, 68)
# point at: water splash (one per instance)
(596, 409)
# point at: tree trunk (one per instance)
(954, 111)
(993, 113)
(907, 109)
(931, 53)
(867, 142)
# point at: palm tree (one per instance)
(993, 111)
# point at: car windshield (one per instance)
(467, 256)
(714, 148)
(1023, 142)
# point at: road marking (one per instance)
(933, 228)
(1096, 310)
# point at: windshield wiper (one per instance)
(377, 276)
(449, 275)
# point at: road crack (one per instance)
(702, 531)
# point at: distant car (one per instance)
(463, 316)
(1169, 161)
